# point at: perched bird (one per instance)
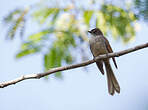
(99, 45)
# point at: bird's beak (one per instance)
(89, 31)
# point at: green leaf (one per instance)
(68, 58)
(16, 20)
(87, 16)
(43, 14)
(37, 37)
(10, 17)
(53, 59)
(117, 21)
(27, 52)
(55, 15)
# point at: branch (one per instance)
(51, 71)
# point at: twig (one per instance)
(51, 71)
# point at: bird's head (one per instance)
(95, 31)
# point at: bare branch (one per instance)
(51, 71)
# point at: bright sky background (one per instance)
(79, 90)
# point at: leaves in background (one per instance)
(59, 52)
(87, 16)
(27, 49)
(117, 21)
(142, 7)
(10, 17)
(17, 21)
(34, 44)
(63, 29)
(43, 14)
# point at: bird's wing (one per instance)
(99, 63)
(100, 66)
(110, 50)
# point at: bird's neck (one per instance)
(100, 35)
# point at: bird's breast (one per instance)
(97, 46)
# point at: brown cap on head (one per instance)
(96, 31)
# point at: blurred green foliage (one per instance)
(141, 6)
(64, 28)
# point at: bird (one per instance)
(100, 45)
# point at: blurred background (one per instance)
(41, 34)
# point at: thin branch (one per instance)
(51, 71)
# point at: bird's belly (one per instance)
(99, 48)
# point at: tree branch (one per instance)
(51, 71)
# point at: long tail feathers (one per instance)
(112, 81)
(110, 85)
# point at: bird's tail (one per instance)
(111, 79)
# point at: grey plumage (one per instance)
(100, 45)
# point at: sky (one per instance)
(79, 89)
